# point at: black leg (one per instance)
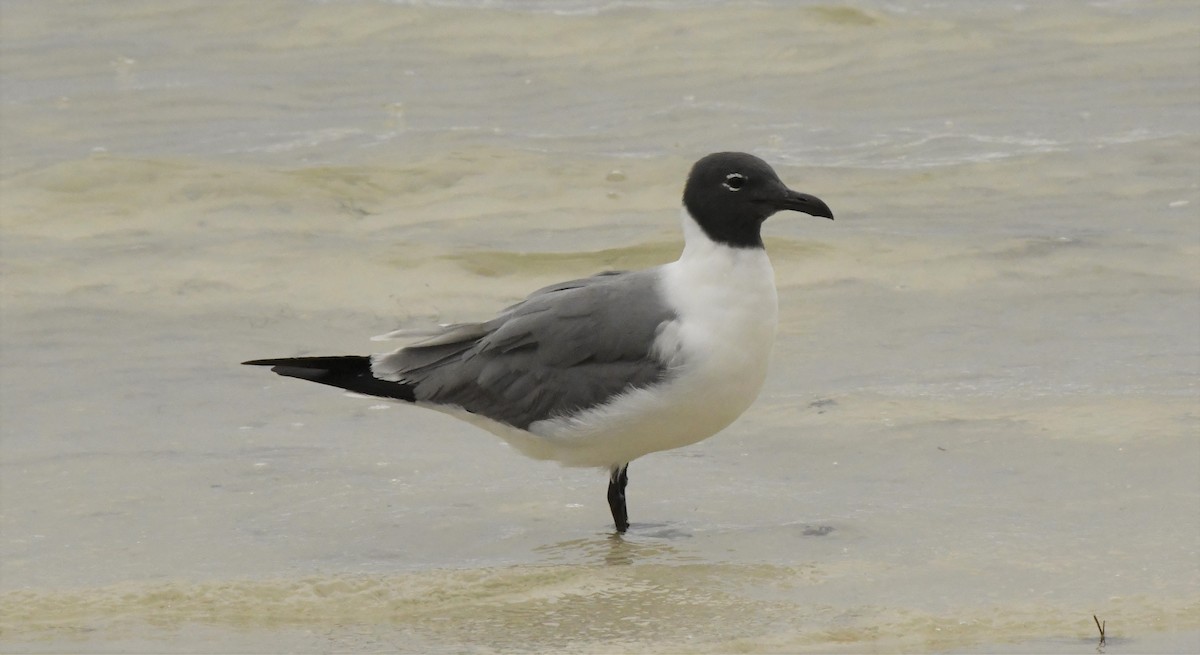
(616, 496)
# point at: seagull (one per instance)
(599, 371)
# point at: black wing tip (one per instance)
(349, 372)
(263, 362)
(336, 362)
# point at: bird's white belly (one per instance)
(694, 406)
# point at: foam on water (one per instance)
(890, 80)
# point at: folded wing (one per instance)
(566, 347)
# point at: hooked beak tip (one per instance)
(803, 202)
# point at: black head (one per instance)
(730, 194)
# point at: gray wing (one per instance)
(566, 347)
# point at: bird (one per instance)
(602, 370)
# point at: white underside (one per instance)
(717, 349)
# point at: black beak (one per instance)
(802, 202)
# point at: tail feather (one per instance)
(349, 372)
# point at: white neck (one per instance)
(732, 290)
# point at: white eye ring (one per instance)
(734, 181)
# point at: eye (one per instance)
(734, 181)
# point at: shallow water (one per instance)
(980, 427)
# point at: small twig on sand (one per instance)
(1100, 627)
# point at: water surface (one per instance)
(980, 426)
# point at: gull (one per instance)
(599, 371)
